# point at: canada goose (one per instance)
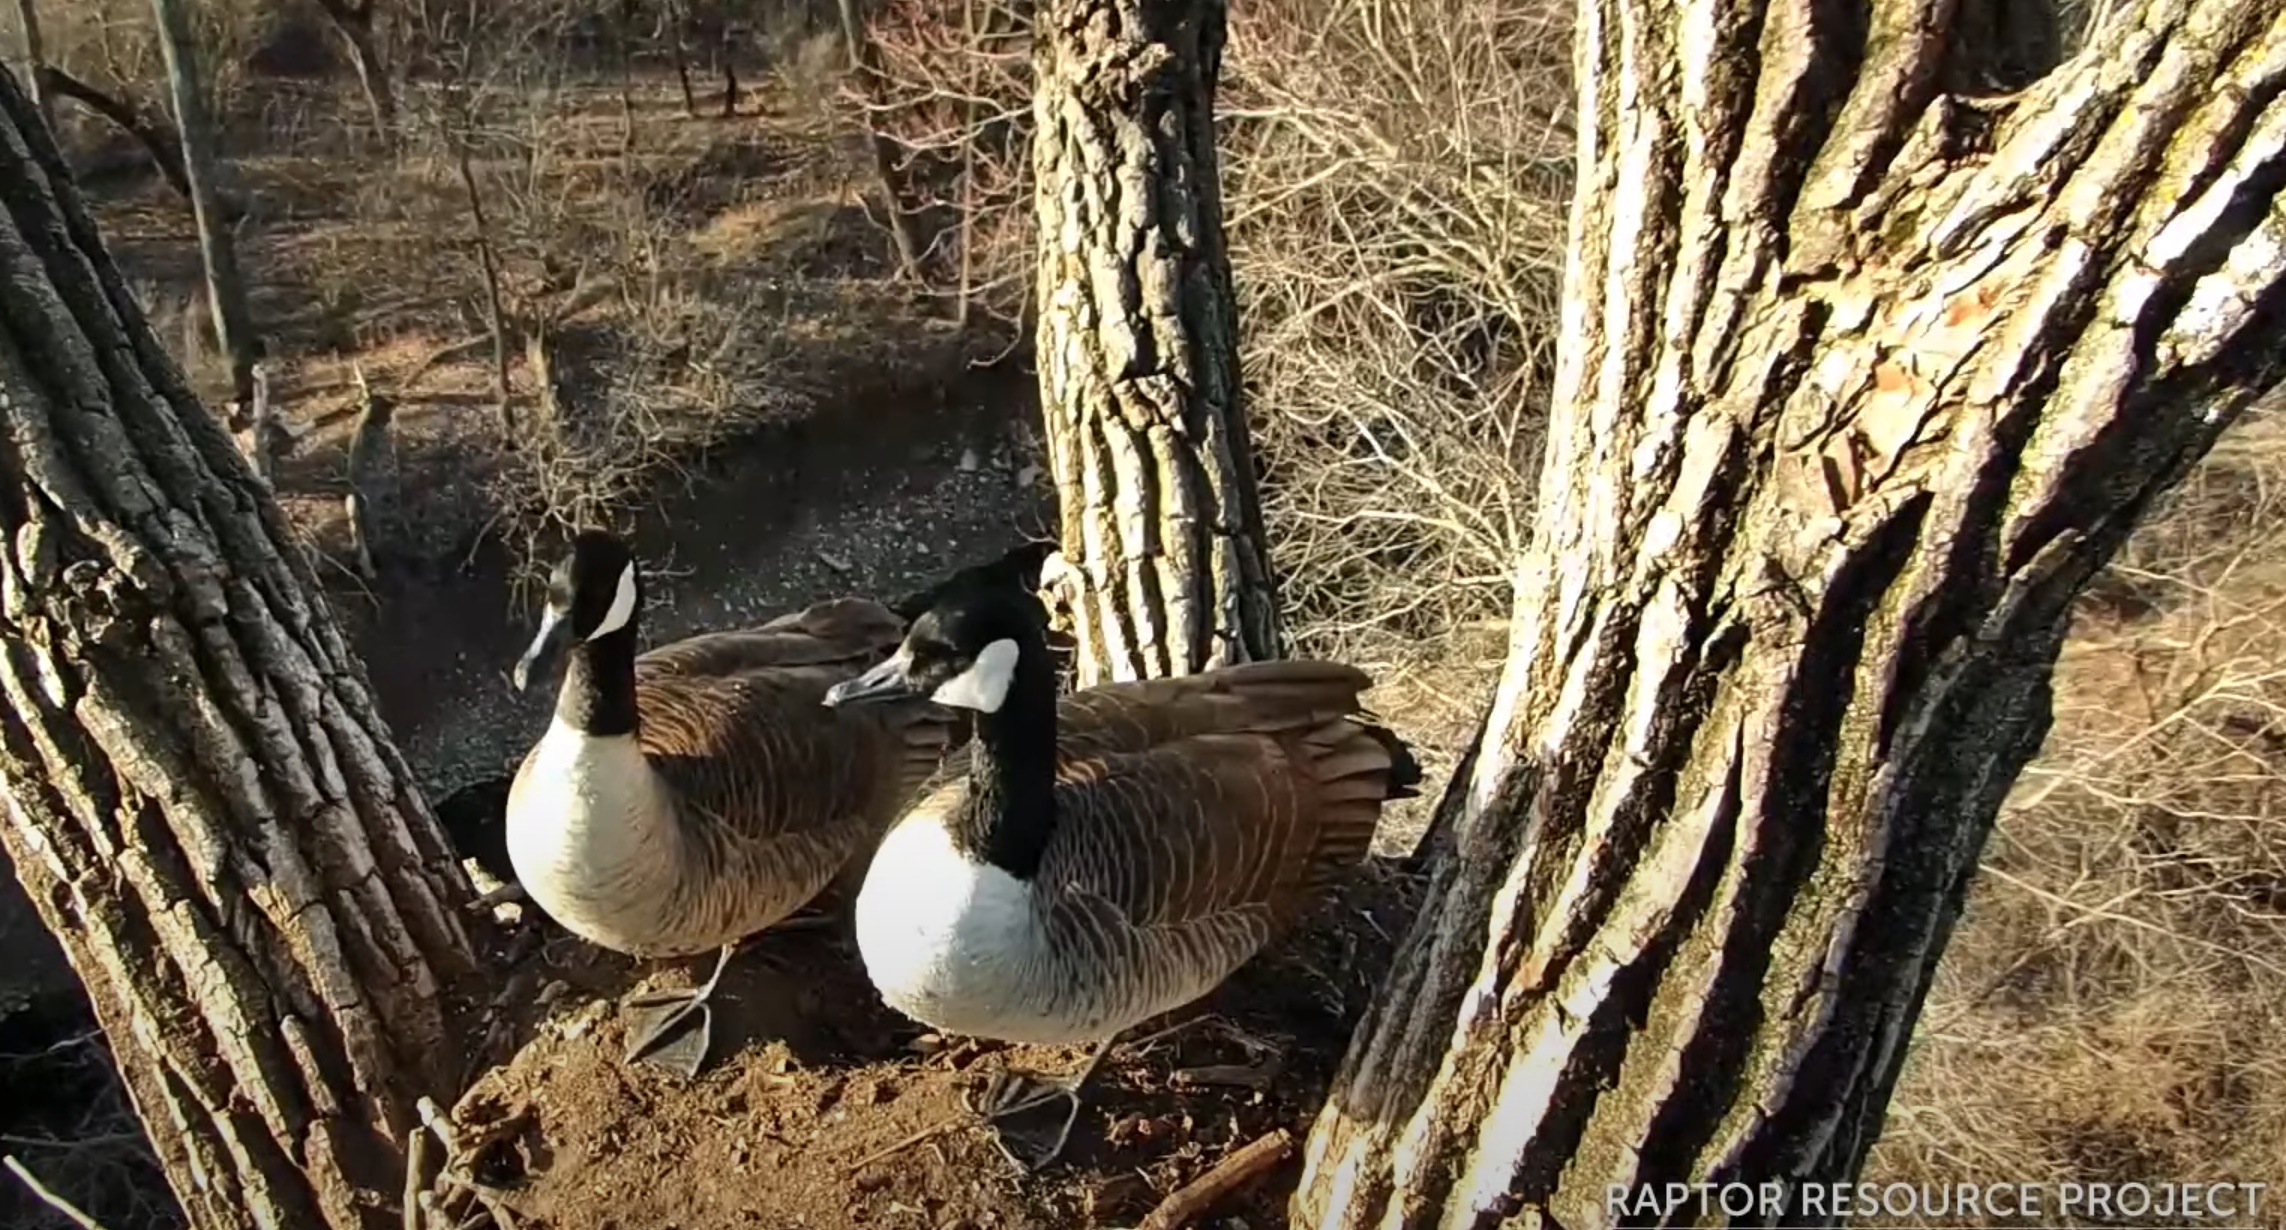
(1113, 855)
(686, 798)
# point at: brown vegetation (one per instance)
(665, 280)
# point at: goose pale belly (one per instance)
(965, 947)
(589, 847)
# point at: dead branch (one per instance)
(865, 69)
(155, 135)
(1189, 1202)
(52, 1200)
(495, 315)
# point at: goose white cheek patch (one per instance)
(984, 685)
(622, 605)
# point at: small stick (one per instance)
(58, 1203)
(1186, 1203)
(440, 1123)
(492, 1198)
(416, 1154)
(931, 1132)
(1234, 1074)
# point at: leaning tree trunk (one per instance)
(35, 58)
(1860, 383)
(199, 795)
(225, 287)
(1138, 343)
(354, 22)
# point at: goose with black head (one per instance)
(1112, 854)
(685, 798)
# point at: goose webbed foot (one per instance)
(1012, 1100)
(674, 1029)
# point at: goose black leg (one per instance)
(673, 1029)
(1013, 1091)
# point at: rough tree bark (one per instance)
(225, 287)
(354, 22)
(1138, 343)
(1861, 381)
(195, 788)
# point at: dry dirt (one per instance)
(809, 1110)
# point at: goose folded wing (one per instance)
(1211, 830)
(848, 631)
(1257, 697)
(755, 758)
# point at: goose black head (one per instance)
(962, 651)
(593, 592)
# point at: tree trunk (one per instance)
(1138, 343)
(1843, 423)
(865, 66)
(199, 795)
(35, 59)
(225, 288)
(355, 24)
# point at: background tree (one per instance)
(355, 23)
(35, 57)
(1866, 371)
(1138, 343)
(202, 169)
(200, 797)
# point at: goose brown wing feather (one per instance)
(736, 725)
(856, 631)
(1198, 830)
(1255, 697)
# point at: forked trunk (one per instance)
(200, 797)
(1861, 382)
(1138, 343)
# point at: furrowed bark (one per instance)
(1137, 340)
(1860, 383)
(198, 793)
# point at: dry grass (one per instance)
(2105, 1011)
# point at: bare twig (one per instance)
(1190, 1201)
(58, 1203)
(931, 1132)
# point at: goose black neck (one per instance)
(1011, 810)
(598, 696)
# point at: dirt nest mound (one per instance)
(821, 1107)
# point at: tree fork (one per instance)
(199, 795)
(1861, 382)
(1138, 343)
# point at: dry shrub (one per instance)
(1396, 199)
(114, 45)
(651, 353)
(1395, 189)
(2107, 1009)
